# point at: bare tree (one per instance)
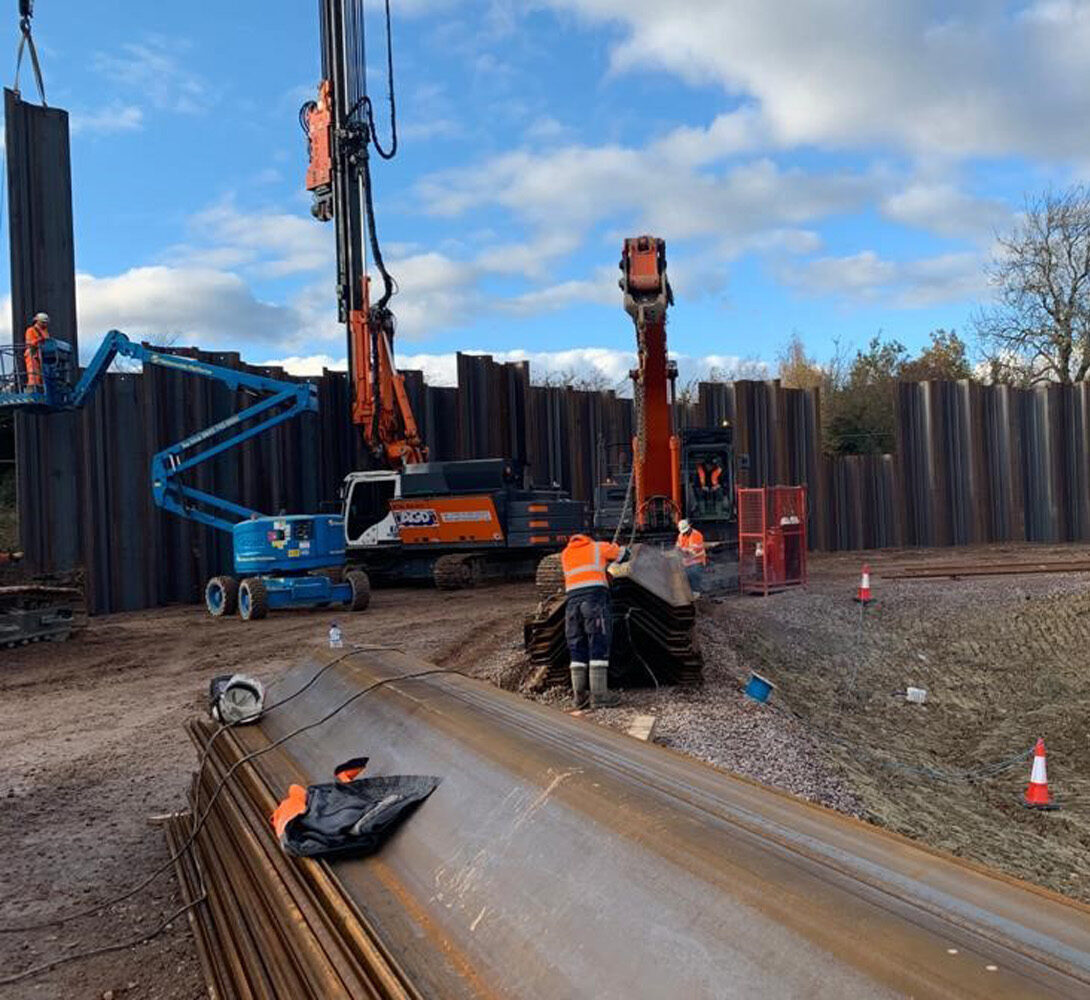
(1039, 328)
(589, 379)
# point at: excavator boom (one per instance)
(655, 459)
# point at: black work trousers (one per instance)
(588, 625)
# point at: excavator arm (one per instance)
(655, 449)
(340, 132)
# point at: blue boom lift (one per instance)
(277, 560)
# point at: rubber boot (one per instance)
(600, 695)
(580, 697)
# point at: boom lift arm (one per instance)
(281, 401)
(340, 130)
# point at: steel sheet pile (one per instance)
(553, 844)
(272, 926)
(654, 626)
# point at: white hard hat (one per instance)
(684, 526)
(42, 318)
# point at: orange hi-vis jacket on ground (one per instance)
(585, 562)
(692, 548)
(31, 355)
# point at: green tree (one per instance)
(796, 369)
(860, 418)
(945, 358)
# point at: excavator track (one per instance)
(550, 576)
(458, 571)
(36, 613)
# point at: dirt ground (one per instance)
(92, 741)
(1005, 660)
(92, 745)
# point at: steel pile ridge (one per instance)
(559, 858)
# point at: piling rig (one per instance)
(405, 517)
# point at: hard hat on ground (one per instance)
(42, 318)
(684, 526)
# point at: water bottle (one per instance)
(335, 639)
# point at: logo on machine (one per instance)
(416, 518)
(461, 516)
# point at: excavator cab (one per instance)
(708, 477)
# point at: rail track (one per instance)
(941, 570)
(559, 858)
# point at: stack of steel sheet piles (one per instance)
(654, 626)
(270, 926)
(543, 636)
(552, 844)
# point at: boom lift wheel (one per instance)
(253, 599)
(221, 596)
(361, 590)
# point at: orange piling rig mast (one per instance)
(656, 464)
(340, 130)
(405, 517)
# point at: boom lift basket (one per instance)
(771, 538)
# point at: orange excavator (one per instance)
(670, 474)
(405, 517)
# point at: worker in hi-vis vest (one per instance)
(588, 620)
(32, 354)
(694, 556)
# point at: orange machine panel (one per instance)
(447, 520)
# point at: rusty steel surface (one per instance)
(559, 858)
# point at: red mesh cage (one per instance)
(771, 538)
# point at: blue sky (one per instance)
(831, 169)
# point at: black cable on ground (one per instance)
(37, 970)
(247, 758)
(99, 907)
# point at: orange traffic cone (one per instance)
(1037, 796)
(863, 594)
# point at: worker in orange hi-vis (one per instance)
(588, 618)
(694, 556)
(32, 355)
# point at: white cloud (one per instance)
(570, 190)
(311, 365)
(601, 290)
(866, 277)
(268, 243)
(941, 208)
(165, 305)
(434, 128)
(155, 70)
(954, 79)
(533, 259)
(113, 118)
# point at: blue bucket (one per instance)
(759, 688)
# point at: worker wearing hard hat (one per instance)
(694, 556)
(588, 620)
(32, 353)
